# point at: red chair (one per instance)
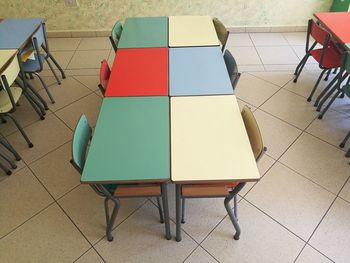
(328, 57)
(105, 72)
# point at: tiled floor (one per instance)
(298, 212)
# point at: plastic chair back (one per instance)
(347, 62)
(320, 35)
(11, 71)
(116, 34)
(232, 68)
(221, 32)
(105, 72)
(253, 132)
(81, 138)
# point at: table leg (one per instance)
(166, 211)
(178, 213)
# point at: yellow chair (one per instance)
(221, 31)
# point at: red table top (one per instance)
(139, 72)
(337, 23)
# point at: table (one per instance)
(130, 142)
(139, 32)
(209, 142)
(186, 31)
(198, 71)
(15, 33)
(338, 24)
(139, 72)
(6, 56)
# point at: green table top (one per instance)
(130, 142)
(141, 32)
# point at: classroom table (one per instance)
(338, 25)
(198, 71)
(15, 33)
(141, 32)
(209, 144)
(139, 72)
(187, 31)
(6, 55)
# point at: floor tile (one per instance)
(90, 82)
(310, 255)
(94, 43)
(69, 91)
(21, 197)
(345, 192)
(90, 257)
(239, 40)
(332, 128)
(84, 71)
(254, 90)
(20, 166)
(242, 103)
(54, 242)
(279, 67)
(46, 136)
(89, 105)
(200, 256)
(86, 209)
(251, 68)
(332, 237)
(141, 238)
(60, 44)
(296, 38)
(277, 135)
(268, 39)
(88, 59)
(291, 108)
(245, 55)
(56, 172)
(277, 78)
(277, 55)
(49, 80)
(262, 239)
(319, 161)
(291, 199)
(341, 105)
(62, 58)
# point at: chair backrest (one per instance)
(221, 32)
(232, 68)
(253, 132)
(347, 62)
(116, 34)
(81, 138)
(320, 35)
(11, 71)
(105, 72)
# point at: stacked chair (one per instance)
(116, 34)
(232, 68)
(221, 32)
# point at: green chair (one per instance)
(116, 34)
(232, 68)
(340, 6)
(221, 32)
(81, 138)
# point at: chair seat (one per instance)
(332, 58)
(5, 103)
(32, 65)
(138, 190)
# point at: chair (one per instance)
(335, 86)
(232, 68)
(35, 66)
(342, 144)
(116, 34)
(10, 95)
(113, 192)
(8, 147)
(328, 57)
(105, 72)
(221, 32)
(228, 191)
(340, 6)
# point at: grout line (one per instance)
(262, 63)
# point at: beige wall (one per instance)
(101, 14)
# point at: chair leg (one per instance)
(232, 216)
(35, 106)
(342, 144)
(316, 85)
(37, 95)
(110, 220)
(329, 86)
(31, 76)
(183, 211)
(166, 210)
(7, 159)
(2, 119)
(30, 144)
(161, 218)
(347, 153)
(328, 73)
(53, 71)
(5, 169)
(9, 147)
(335, 71)
(178, 212)
(329, 104)
(300, 67)
(45, 87)
(235, 206)
(57, 65)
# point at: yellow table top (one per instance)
(5, 56)
(187, 31)
(209, 142)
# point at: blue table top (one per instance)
(15, 32)
(198, 71)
